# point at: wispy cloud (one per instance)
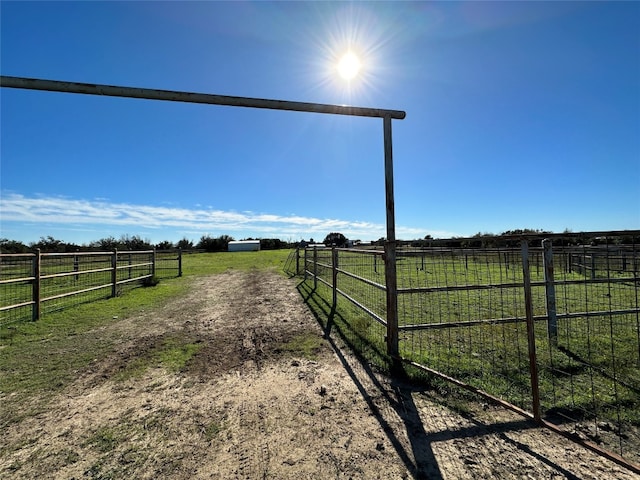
(73, 213)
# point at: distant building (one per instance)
(244, 246)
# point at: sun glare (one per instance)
(349, 66)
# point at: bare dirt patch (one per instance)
(263, 395)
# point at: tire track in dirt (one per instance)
(253, 458)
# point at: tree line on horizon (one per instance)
(207, 243)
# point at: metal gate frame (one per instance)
(232, 101)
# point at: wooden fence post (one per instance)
(180, 262)
(153, 263)
(36, 286)
(550, 291)
(528, 304)
(114, 272)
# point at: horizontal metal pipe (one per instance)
(499, 321)
(129, 280)
(361, 251)
(17, 280)
(362, 279)
(469, 323)
(132, 265)
(371, 313)
(596, 280)
(601, 313)
(17, 305)
(75, 292)
(463, 287)
(77, 272)
(85, 254)
(189, 97)
(592, 446)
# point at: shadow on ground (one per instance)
(416, 451)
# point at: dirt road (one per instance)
(265, 396)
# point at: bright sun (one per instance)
(349, 66)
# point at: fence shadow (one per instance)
(397, 399)
(420, 462)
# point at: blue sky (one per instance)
(519, 115)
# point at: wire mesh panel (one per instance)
(354, 281)
(87, 276)
(589, 354)
(132, 268)
(168, 263)
(461, 312)
(16, 291)
(360, 279)
(318, 264)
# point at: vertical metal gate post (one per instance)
(36, 285)
(550, 291)
(191, 97)
(390, 246)
(533, 361)
(315, 268)
(334, 265)
(76, 265)
(305, 263)
(114, 272)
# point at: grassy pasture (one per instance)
(97, 276)
(43, 356)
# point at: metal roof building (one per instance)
(244, 246)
